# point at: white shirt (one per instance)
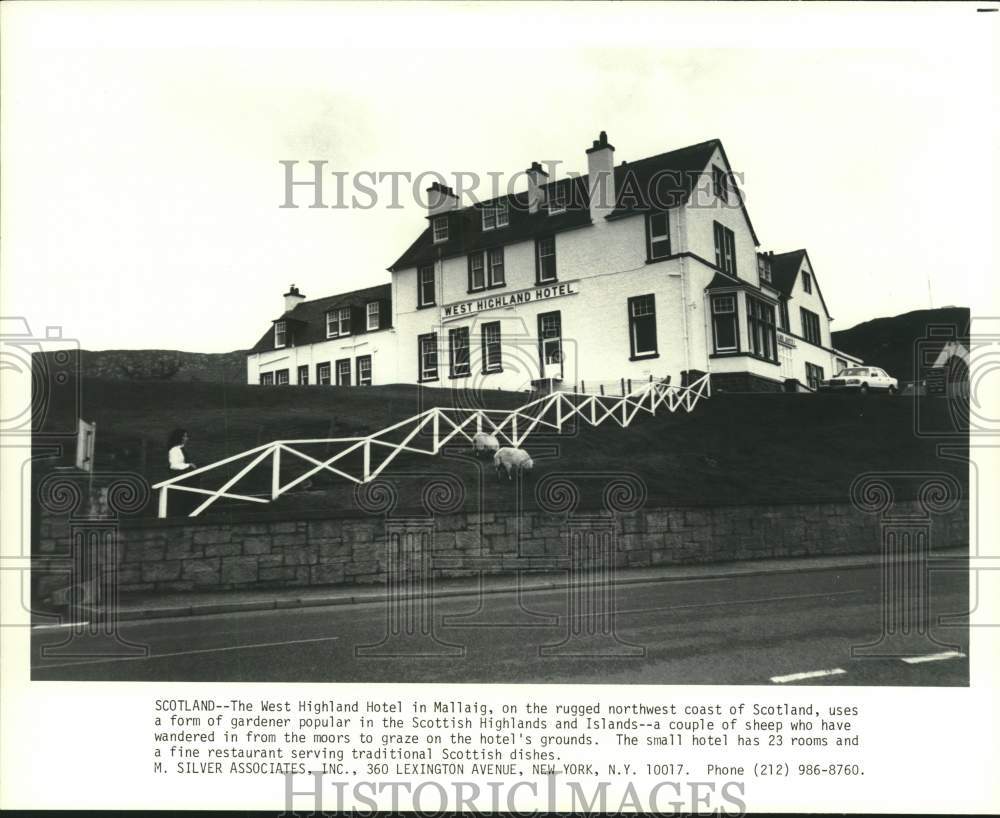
(177, 461)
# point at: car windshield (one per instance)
(849, 372)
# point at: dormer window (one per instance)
(440, 228)
(556, 207)
(372, 313)
(496, 215)
(280, 334)
(338, 322)
(807, 282)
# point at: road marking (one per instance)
(809, 674)
(934, 657)
(60, 625)
(42, 667)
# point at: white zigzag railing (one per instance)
(512, 426)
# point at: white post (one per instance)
(163, 502)
(276, 473)
(513, 428)
(559, 414)
(479, 422)
(436, 423)
(368, 460)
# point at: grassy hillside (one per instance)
(159, 364)
(891, 342)
(731, 449)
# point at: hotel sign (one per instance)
(786, 340)
(543, 292)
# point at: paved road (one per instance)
(735, 630)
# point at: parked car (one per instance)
(860, 379)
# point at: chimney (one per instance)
(536, 179)
(440, 199)
(293, 298)
(601, 177)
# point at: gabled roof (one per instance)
(675, 173)
(785, 270)
(309, 317)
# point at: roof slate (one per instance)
(310, 316)
(675, 174)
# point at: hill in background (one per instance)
(891, 343)
(161, 365)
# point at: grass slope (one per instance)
(891, 343)
(731, 449)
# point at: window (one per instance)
(764, 269)
(555, 205)
(440, 228)
(491, 347)
(496, 267)
(550, 338)
(477, 272)
(720, 184)
(427, 355)
(724, 323)
(642, 326)
(303, 376)
(657, 235)
(807, 282)
(810, 326)
(323, 374)
(425, 286)
(496, 215)
(280, 333)
(374, 318)
(364, 368)
(486, 269)
(784, 315)
(458, 352)
(763, 338)
(281, 377)
(338, 322)
(545, 260)
(266, 378)
(814, 374)
(343, 371)
(725, 249)
(839, 365)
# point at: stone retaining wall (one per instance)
(161, 556)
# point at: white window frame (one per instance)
(658, 238)
(456, 369)
(648, 301)
(427, 345)
(362, 378)
(439, 228)
(541, 260)
(420, 285)
(492, 266)
(492, 343)
(267, 379)
(299, 372)
(337, 371)
(477, 264)
(281, 377)
(280, 331)
(496, 215)
(807, 283)
(369, 313)
(320, 370)
(716, 300)
(335, 321)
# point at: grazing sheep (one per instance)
(484, 442)
(510, 459)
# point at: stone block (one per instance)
(328, 551)
(161, 571)
(239, 569)
(324, 529)
(277, 573)
(301, 555)
(215, 534)
(285, 540)
(230, 549)
(202, 572)
(153, 552)
(327, 574)
(256, 545)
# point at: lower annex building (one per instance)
(636, 270)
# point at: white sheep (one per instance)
(511, 460)
(484, 442)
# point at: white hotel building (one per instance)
(646, 268)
